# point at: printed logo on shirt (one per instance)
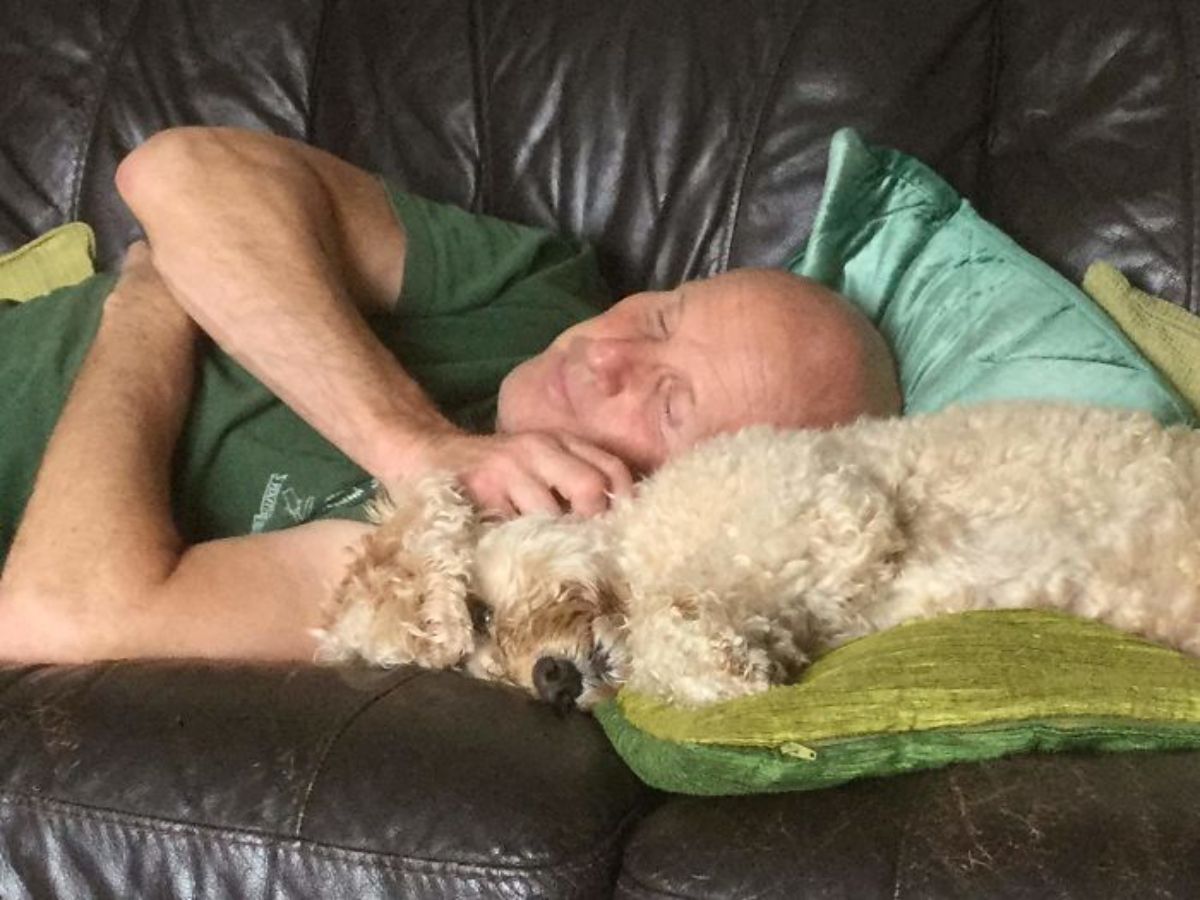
(355, 495)
(299, 508)
(296, 507)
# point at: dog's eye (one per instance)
(481, 614)
(599, 660)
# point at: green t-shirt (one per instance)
(480, 295)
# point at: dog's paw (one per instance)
(751, 676)
(744, 669)
(780, 639)
(409, 621)
(444, 635)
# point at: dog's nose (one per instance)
(558, 681)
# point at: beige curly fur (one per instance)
(739, 560)
(403, 598)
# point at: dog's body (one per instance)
(738, 561)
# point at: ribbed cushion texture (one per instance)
(956, 688)
(60, 257)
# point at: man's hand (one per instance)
(512, 474)
(141, 291)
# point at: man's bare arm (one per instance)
(97, 569)
(276, 249)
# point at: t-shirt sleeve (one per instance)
(480, 295)
(457, 261)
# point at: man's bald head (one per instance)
(659, 371)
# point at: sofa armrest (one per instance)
(188, 779)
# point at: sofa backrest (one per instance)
(681, 136)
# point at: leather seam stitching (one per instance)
(334, 737)
(648, 888)
(772, 89)
(900, 857)
(84, 152)
(480, 103)
(61, 809)
(315, 69)
(991, 117)
(1187, 44)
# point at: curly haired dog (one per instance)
(737, 562)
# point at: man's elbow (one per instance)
(40, 625)
(153, 175)
(148, 172)
(21, 636)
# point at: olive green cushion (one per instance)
(1166, 334)
(957, 688)
(58, 258)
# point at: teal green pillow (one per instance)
(970, 316)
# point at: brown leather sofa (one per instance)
(682, 137)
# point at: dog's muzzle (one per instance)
(558, 681)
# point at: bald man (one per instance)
(365, 336)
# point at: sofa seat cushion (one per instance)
(179, 779)
(1029, 826)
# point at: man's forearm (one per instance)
(275, 249)
(98, 525)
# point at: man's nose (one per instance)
(611, 362)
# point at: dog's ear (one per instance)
(404, 597)
(596, 597)
(685, 648)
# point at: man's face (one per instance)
(660, 371)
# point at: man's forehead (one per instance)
(734, 356)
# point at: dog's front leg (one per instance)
(404, 597)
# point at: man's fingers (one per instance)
(136, 251)
(576, 480)
(528, 495)
(620, 479)
(542, 472)
(500, 510)
(492, 501)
